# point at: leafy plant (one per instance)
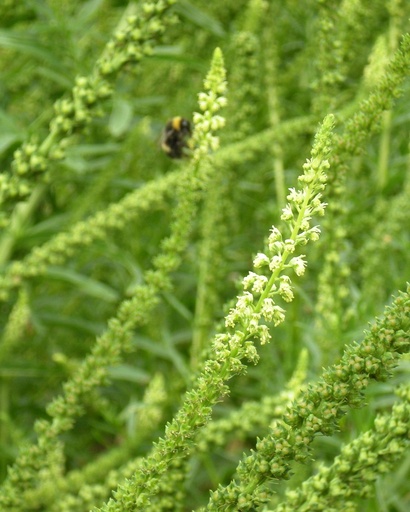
(180, 334)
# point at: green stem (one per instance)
(21, 214)
(384, 152)
(271, 65)
(201, 324)
(4, 417)
(278, 169)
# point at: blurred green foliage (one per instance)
(288, 65)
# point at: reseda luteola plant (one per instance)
(221, 382)
(358, 465)
(317, 411)
(132, 312)
(244, 327)
(333, 301)
(129, 45)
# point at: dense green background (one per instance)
(292, 68)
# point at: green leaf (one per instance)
(74, 323)
(29, 45)
(200, 18)
(84, 284)
(129, 373)
(121, 117)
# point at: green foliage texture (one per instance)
(228, 331)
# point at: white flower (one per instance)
(222, 101)
(313, 233)
(296, 196)
(251, 353)
(290, 245)
(298, 264)
(271, 312)
(235, 341)
(253, 324)
(244, 301)
(305, 224)
(260, 260)
(287, 213)
(217, 122)
(320, 209)
(255, 282)
(268, 309)
(279, 315)
(285, 289)
(276, 247)
(275, 262)
(197, 118)
(275, 235)
(231, 318)
(264, 335)
(221, 341)
(242, 310)
(259, 284)
(249, 280)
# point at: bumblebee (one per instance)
(175, 137)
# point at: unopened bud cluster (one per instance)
(210, 102)
(73, 114)
(135, 40)
(359, 464)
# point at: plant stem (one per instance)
(20, 217)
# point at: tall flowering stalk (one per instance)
(317, 411)
(257, 303)
(33, 162)
(40, 460)
(333, 290)
(244, 326)
(258, 306)
(357, 467)
(145, 484)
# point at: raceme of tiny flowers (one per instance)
(146, 483)
(332, 304)
(231, 348)
(318, 410)
(279, 256)
(245, 86)
(129, 45)
(359, 464)
(228, 350)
